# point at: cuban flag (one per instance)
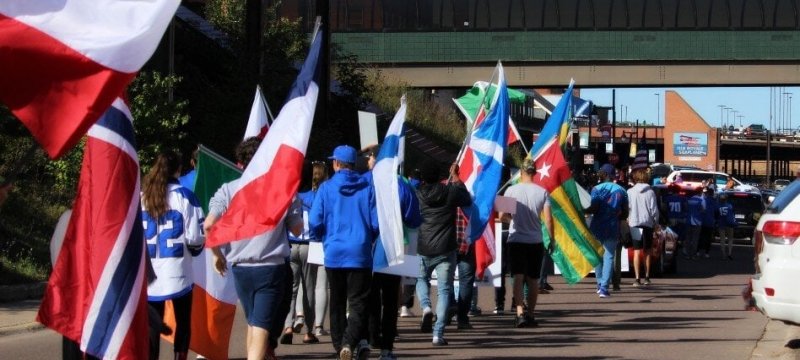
(270, 181)
(97, 293)
(390, 249)
(258, 123)
(64, 62)
(481, 165)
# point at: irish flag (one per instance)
(213, 296)
(576, 251)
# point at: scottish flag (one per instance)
(482, 163)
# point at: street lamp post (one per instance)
(721, 122)
(658, 109)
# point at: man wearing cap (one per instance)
(525, 243)
(344, 216)
(608, 202)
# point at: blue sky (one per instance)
(752, 103)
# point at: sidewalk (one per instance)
(18, 317)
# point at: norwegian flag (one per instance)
(97, 294)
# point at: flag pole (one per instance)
(266, 104)
(472, 128)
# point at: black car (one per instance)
(747, 207)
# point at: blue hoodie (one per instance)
(344, 216)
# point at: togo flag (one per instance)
(576, 251)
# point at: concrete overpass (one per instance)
(600, 43)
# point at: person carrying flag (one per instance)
(437, 243)
(172, 220)
(385, 292)
(525, 243)
(344, 216)
(259, 265)
(609, 200)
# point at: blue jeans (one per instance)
(605, 269)
(466, 280)
(445, 267)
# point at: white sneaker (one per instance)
(319, 331)
(405, 312)
(346, 353)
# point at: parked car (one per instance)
(756, 130)
(748, 207)
(774, 289)
(779, 184)
(693, 179)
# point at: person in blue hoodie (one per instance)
(344, 216)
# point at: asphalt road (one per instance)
(695, 314)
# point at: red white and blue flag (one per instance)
(481, 165)
(97, 293)
(64, 62)
(258, 123)
(270, 181)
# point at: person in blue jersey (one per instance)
(726, 221)
(696, 208)
(306, 288)
(260, 265)
(609, 200)
(344, 216)
(385, 291)
(709, 223)
(676, 209)
(172, 220)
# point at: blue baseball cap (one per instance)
(344, 153)
(608, 169)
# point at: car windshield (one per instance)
(785, 197)
(782, 182)
(696, 177)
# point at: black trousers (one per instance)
(348, 287)
(276, 330)
(706, 237)
(408, 295)
(383, 310)
(183, 324)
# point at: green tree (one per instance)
(159, 123)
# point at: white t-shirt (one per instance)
(526, 226)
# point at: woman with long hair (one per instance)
(310, 288)
(172, 219)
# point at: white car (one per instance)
(693, 179)
(780, 184)
(774, 289)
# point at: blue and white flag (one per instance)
(387, 191)
(481, 166)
